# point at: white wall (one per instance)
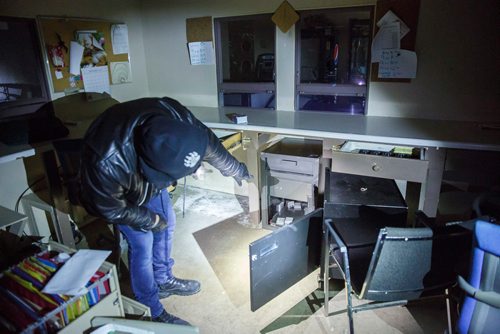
(457, 49)
(458, 68)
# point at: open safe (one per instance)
(361, 204)
(290, 174)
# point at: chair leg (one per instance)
(326, 270)
(448, 310)
(349, 308)
(348, 289)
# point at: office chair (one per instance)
(451, 247)
(487, 204)
(400, 260)
(480, 311)
(68, 152)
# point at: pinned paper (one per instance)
(119, 38)
(58, 74)
(398, 64)
(96, 44)
(201, 53)
(120, 72)
(389, 18)
(386, 38)
(75, 57)
(285, 16)
(96, 79)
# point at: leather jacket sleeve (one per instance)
(220, 158)
(103, 195)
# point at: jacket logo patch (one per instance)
(191, 159)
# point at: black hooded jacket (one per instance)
(113, 186)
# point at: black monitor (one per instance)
(23, 83)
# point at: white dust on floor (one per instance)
(212, 203)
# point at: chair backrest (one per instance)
(401, 259)
(477, 316)
(487, 204)
(69, 152)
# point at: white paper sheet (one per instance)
(398, 64)
(75, 57)
(386, 38)
(389, 18)
(96, 79)
(120, 72)
(201, 53)
(119, 38)
(355, 146)
(76, 273)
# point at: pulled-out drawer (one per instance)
(413, 170)
(295, 157)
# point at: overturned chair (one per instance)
(392, 275)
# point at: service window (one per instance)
(332, 59)
(245, 53)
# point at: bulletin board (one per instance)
(407, 11)
(61, 31)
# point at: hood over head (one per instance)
(169, 149)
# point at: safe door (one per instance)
(284, 257)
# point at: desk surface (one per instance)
(376, 129)
(390, 130)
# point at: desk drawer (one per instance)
(293, 164)
(413, 170)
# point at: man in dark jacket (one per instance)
(132, 153)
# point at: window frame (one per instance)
(327, 88)
(240, 87)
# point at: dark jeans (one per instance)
(149, 255)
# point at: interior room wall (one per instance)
(457, 48)
(127, 11)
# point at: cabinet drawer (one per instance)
(292, 164)
(292, 190)
(413, 170)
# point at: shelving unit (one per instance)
(113, 304)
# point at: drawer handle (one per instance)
(289, 162)
(375, 167)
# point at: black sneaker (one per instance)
(177, 286)
(170, 319)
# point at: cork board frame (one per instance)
(52, 27)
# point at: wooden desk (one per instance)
(434, 136)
